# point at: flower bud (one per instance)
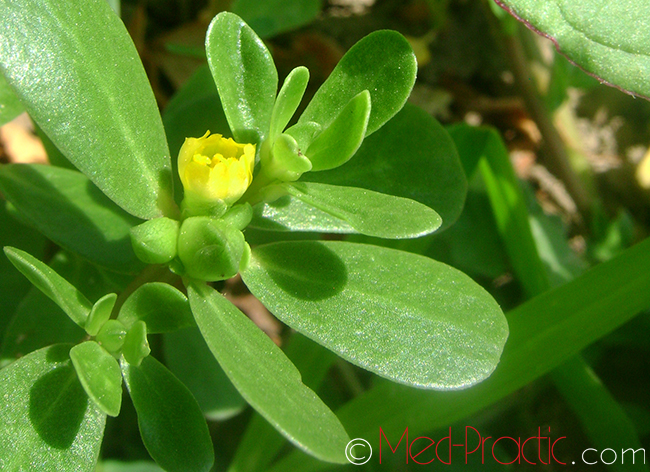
(155, 241)
(214, 171)
(210, 249)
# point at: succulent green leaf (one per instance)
(100, 376)
(288, 99)
(136, 345)
(162, 307)
(403, 316)
(606, 49)
(171, 424)
(291, 214)
(245, 75)
(78, 74)
(286, 162)
(304, 133)
(67, 208)
(265, 377)
(111, 336)
(100, 313)
(45, 415)
(189, 358)
(59, 290)
(10, 106)
(367, 212)
(383, 63)
(341, 139)
(272, 17)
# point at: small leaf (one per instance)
(100, 313)
(304, 133)
(59, 290)
(171, 424)
(67, 208)
(100, 376)
(368, 212)
(45, 415)
(265, 377)
(340, 140)
(383, 63)
(136, 346)
(603, 48)
(403, 316)
(189, 358)
(10, 106)
(162, 307)
(288, 100)
(245, 75)
(98, 109)
(111, 337)
(272, 17)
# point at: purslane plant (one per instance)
(399, 315)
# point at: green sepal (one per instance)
(59, 290)
(155, 241)
(100, 376)
(100, 313)
(286, 163)
(340, 140)
(239, 215)
(136, 346)
(162, 307)
(245, 75)
(288, 99)
(210, 249)
(111, 336)
(171, 424)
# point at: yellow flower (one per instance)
(215, 168)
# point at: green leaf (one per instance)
(171, 424)
(341, 139)
(59, 290)
(245, 75)
(10, 106)
(67, 208)
(288, 99)
(272, 17)
(403, 316)
(45, 415)
(98, 109)
(136, 345)
(137, 466)
(368, 212)
(100, 376)
(162, 307)
(383, 63)
(189, 358)
(545, 332)
(100, 313)
(39, 322)
(265, 377)
(411, 157)
(603, 48)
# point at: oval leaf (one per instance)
(79, 76)
(595, 35)
(171, 424)
(162, 307)
(245, 75)
(383, 63)
(290, 214)
(67, 208)
(45, 415)
(288, 99)
(403, 316)
(367, 212)
(59, 290)
(338, 143)
(265, 377)
(272, 17)
(100, 376)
